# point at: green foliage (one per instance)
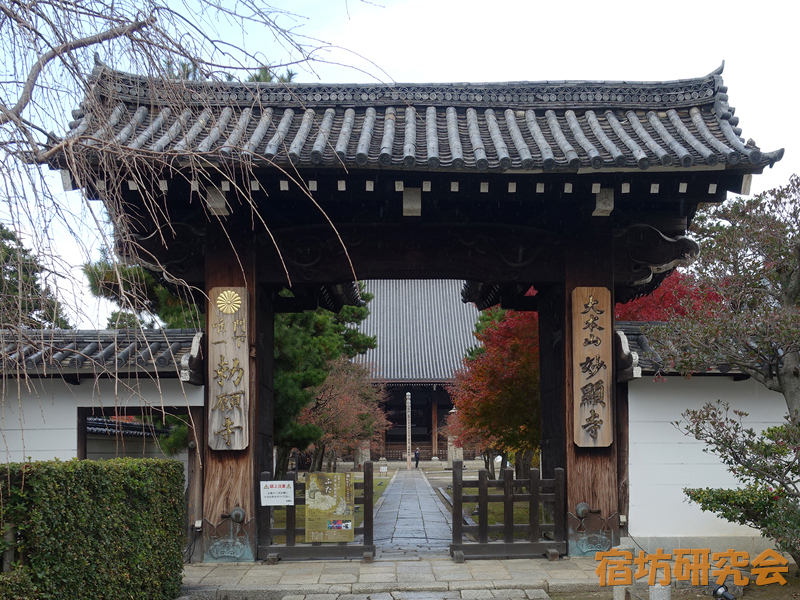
(487, 319)
(178, 439)
(123, 319)
(768, 463)
(306, 344)
(749, 271)
(144, 300)
(94, 529)
(752, 505)
(18, 585)
(769, 510)
(25, 299)
(182, 69)
(266, 74)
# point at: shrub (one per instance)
(94, 529)
(774, 512)
(767, 463)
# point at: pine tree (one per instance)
(26, 301)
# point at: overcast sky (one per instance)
(428, 41)
(425, 41)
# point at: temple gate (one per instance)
(583, 190)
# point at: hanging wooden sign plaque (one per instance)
(592, 369)
(228, 369)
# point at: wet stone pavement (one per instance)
(411, 520)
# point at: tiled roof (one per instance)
(647, 360)
(534, 126)
(423, 329)
(49, 352)
(103, 426)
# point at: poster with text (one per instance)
(330, 499)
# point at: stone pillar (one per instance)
(362, 454)
(453, 452)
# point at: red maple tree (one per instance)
(347, 409)
(678, 295)
(496, 393)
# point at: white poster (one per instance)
(277, 493)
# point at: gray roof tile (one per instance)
(423, 329)
(560, 125)
(53, 352)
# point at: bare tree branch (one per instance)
(58, 51)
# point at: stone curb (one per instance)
(334, 591)
(376, 588)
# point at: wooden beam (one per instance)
(466, 251)
(265, 358)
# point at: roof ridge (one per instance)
(104, 71)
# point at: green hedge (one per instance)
(94, 529)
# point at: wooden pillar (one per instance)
(591, 471)
(230, 476)
(83, 413)
(552, 354)
(623, 452)
(265, 359)
(194, 490)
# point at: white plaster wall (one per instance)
(663, 461)
(39, 418)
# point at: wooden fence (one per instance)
(290, 550)
(532, 490)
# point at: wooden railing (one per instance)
(291, 550)
(532, 490)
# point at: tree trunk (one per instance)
(282, 462)
(503, 465)
(522, 462)
(318, 457)
(331, 455)
(488, 461)
(789, 378)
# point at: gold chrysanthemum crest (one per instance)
(229, 302)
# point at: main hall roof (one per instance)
(422, 328)
(534, 126)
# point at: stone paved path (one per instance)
(411, 520)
